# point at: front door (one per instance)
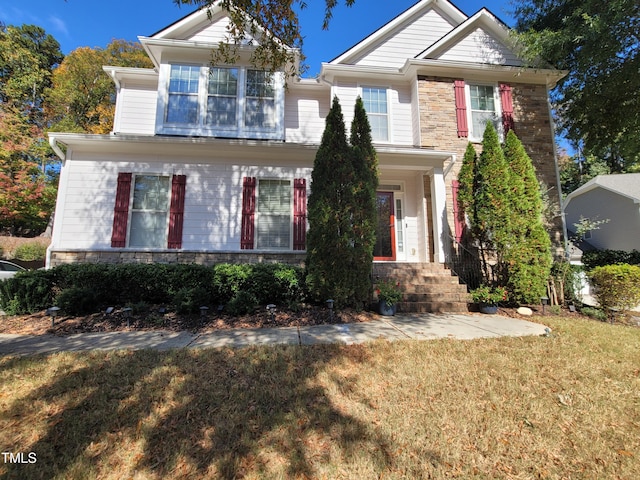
(385, 248)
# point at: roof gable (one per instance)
(404, 36)
(624, 184)
(203, 25)
(482, 38)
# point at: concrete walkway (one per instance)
(400, 327)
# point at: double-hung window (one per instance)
(235, 102)
(375, 104)
(483, 107)
(149, 211)
(274, 211)
(182, 105)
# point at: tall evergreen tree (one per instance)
(329, 240)
(467, 179)
(364, 217)
(342, 211)
(527, 255)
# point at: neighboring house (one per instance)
(614, 199)
(210, 163)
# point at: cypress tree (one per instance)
(329, 240)
(467, 179)
(364, 217)
(527, 258)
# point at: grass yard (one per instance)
(562, 407)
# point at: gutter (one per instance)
(58, 151)
(56, 148)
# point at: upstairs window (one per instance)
(222, 101)
(182, 107)
(483, 108)
(235, 102)
(375, 104)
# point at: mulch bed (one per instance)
(40, 324)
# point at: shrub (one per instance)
(617, 286)
(27, 292)
(594, 313)
(190, 299)
(77, 300)
(229, 279)
(28, 252)
(242, 303)
(600, 258)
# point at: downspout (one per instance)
(58, 151)
(557, 169)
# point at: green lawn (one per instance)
(567, 406)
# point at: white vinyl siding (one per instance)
(305, 113)
(274, 211)
(480, 47)
(148, 223)
(213, 201)
(136, 109)
(406, 42)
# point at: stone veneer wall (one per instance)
(203, 258)
(438, 130)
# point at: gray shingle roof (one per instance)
(627, 184)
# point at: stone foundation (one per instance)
(60, 257)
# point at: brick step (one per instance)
(433, 307)
(436, 296)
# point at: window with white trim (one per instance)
(375, 104)
(235, 102)
(483, 106)
(274, 214)
(149, 211)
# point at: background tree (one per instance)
(279, 18)
(575, 171)
(526, 259)
(598, 102)
(82, 96)
(27, 192)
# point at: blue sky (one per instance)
(94, 23)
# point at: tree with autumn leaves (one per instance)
(40, 91)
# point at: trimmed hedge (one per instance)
(617, 286)
(85, 288)
(600, 258)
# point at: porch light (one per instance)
(127, 314)
(53, 312)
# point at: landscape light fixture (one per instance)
(545, 302)
(330, 303)
(53, 312)
(127, 314)
(203, 313)
(271, 308)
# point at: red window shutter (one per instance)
(461, 108)
(299, 214)
(458, 214)
(507, 107)
(121, 211)
(248, 213)
(176, 211)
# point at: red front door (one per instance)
(385, 248)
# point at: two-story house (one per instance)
(210, 163)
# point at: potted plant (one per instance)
(389, 294)
(488, 298)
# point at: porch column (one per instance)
(439, 213)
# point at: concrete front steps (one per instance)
(426, 287)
